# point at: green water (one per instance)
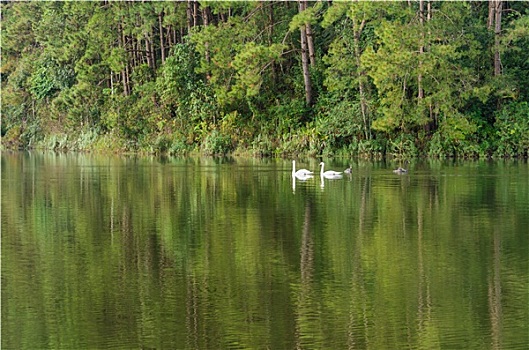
(104, 252)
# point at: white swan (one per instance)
(329, 174)
(301, 173)
(302, 177)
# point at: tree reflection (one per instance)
(495, 292)
(202, 253)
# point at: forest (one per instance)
(267, 78)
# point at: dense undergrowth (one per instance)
(509, 138)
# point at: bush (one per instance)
(263, 146)
(403, 147)
(305, 141)
(512, 130)
(216, 143)
(12, 139)
(340, 122)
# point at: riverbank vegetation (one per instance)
(268, 78)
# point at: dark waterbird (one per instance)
(400, 170)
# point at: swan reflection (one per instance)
(300, 177)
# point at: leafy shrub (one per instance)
(403, 147)
(31, 134)
(436, 147)
(287, 115)
(512, 130)
(340, 122)
(86, 139)
(12, 139)
(263, 146)
(305, 141)
(456, 137)
(178, 147)
(170, 144)
(216, 143)
(373, 148)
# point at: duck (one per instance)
(400, 170)
(329, 174)
(348, 170)
(301, 173)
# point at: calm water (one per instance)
(106, 252)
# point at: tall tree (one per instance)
(446, 79)
(421, 50)
(494, 24)
(305, 56)
(344, 75)
(300, 23)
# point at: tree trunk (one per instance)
(494, 23)
(111, 83)
(420, 94)
(189, 14)
(432, 122)
(195, 13)
(270, 23)
(310, 39)
(357, 31)
(305, 61)
(148, 51)
(270, 37)
(169, 35)
(205, 16)
(153, 50)
(160, 29)
(126, 80)
(490, 20)
(125, 70)
(497, 33)
(310, 44)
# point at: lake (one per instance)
(125, 252)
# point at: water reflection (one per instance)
(201, 253)
(300, 177)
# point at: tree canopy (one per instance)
(272, 78)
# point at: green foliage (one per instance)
(396, 65)
(340, 122)
(403, 147)
(263, 145)
(178, 147)
(384, 81)
(305, 140)
(287, 115)
(250, 64)
(512, 130)
(49, 78)
(169, 144)
(183, 93)
(216, 143)
(515, 45)
(12, 139)
(308, 16)
(455, 139)
(177, 76)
